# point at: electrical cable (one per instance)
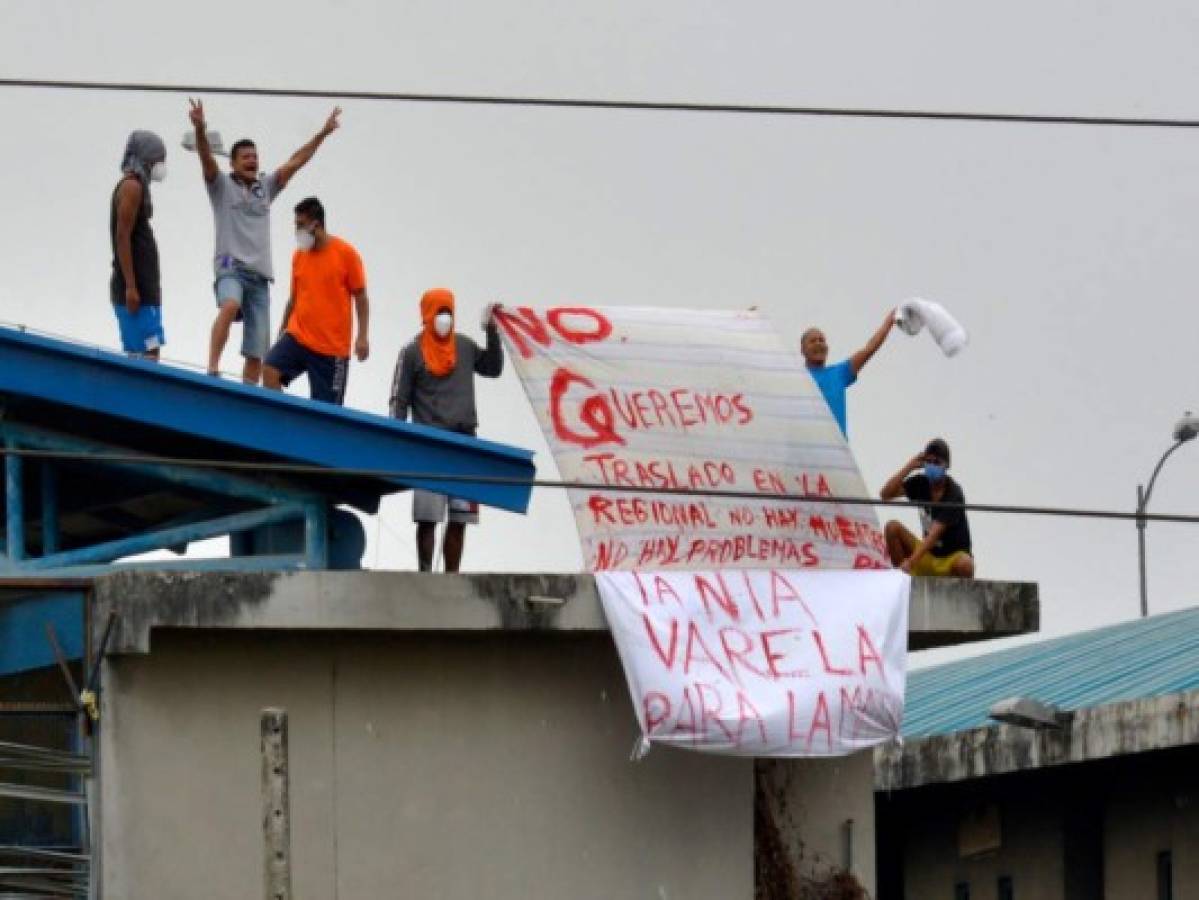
(597, 104)
(500, 480)
(401, 475)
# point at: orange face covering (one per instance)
(441, 353)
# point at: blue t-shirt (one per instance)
(833, 381)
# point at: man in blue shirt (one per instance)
(834, 380)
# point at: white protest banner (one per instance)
(762, 663)
(699, 400)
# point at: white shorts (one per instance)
(430, 507)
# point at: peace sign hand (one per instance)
(196, 113)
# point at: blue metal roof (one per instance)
(158, 409)
(1143, 658)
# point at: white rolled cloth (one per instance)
(914, 314)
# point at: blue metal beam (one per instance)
(271, 563)
(168, 537)
(14, 497)
(254, 419)
(23, 643)
(215, 482)
(308, 510)
(49, 508)
(316, 536)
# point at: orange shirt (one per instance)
(322, 282)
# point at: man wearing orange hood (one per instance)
(434, 383)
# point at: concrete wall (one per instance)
(812, 801)
(1031, 854)
(423, 765)
(453, 736)
(1140, 823)
(1080, 832)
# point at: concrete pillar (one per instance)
(823, 810)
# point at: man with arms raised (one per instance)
(834, 380)
(241, 207)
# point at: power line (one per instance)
(402, 475)
(399, 475)
(500, 480)
(591, 103)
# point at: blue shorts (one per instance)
(252, 294)
(141, 332)
(326, 374)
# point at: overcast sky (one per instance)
(1069, 252)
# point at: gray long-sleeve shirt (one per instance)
(446, 401)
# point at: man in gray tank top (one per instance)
(241, 207)
(135, 287)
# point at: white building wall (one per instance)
(431, 766)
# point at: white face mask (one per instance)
(158, 171)
(305, 239)
(443, 324)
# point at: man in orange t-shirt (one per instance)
(326, 280)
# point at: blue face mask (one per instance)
(934, 471)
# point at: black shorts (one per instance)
(326, 374)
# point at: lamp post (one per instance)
(1186, 429)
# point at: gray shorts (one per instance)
(251, 291)
(430, 507)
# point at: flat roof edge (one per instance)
(946, 612)
(412, 601)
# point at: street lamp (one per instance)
(1186, 429)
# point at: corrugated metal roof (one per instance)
(1143, 658)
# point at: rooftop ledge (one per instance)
(944, 611)
(1139, 725)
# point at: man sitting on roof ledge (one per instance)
(945, 547)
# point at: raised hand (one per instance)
(331, 123)
(196, 113)
(487, 317)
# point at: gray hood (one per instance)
(142, 150)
